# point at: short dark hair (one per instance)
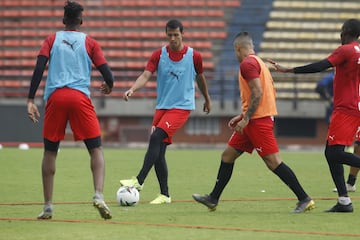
(351, 27)
(242, 34)
(174, 24)
(72, 13)
(243, 39)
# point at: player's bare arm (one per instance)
(201, 83)
(139, 83)
(256, 93)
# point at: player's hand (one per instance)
(278, 67)
(128, 94)
(207, 107)
(232, 123)
(33, 112)
(239, 127)
(238, 123)
(105, 89)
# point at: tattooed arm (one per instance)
(256, 93)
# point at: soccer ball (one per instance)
(127, 196)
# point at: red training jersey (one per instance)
(346, 60)
(175, 56)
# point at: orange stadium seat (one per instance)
(26, 3)
(17, 53)
(113, 44)
(228, 3)
(10, 3)
(11, 13)
(125, 3)
(16, 73)
(22, 42)
(174, 3)
(22, 62)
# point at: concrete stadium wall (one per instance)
(125, 122)
(15, 125)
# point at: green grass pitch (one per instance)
(255, 204)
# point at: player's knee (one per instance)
(92, 143)
(158, 136)
(229, 155)
(334, 153)
(51, 146)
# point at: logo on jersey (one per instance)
(357, 135)
(357, 49)
(168, 124)
(331, 137)
(174, 75)
(259, 149)
(69, 44)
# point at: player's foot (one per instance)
(206, 200)
(349, 188)
(46, 214)
(304, 205)
(161, 199)
(101, 206)
(341, 208)
(133, 182)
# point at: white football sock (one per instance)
(344, 200)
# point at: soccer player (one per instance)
(253, 128)
(71, 54)
(345, 118)
(177, 66)
(325, 89)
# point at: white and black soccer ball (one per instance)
(127, 196)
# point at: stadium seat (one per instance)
(317, 4)
(296, 25)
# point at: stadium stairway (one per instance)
(251, 16)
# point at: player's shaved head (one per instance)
(243, 39)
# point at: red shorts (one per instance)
(259, 135)
(357, 136)
(170, 120)
(66, 104)
(343, 129)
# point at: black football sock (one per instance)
(161, 171)
(223, 177)
(332, 153)
(289, 178)
(351, 180)
(152, 153)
